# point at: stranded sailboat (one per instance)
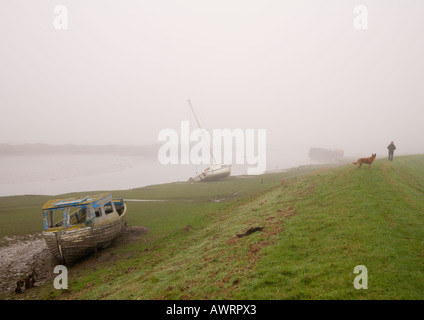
(215, 171)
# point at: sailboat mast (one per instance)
(200, 127)
(192, 109)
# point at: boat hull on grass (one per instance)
(70, 243)
(69, 246)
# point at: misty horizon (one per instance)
(124, 71)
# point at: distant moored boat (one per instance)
(215, 171)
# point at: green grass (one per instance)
(21, 215)
(318, 227)
(353, 217)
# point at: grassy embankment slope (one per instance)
(318, 227)
(20, 215)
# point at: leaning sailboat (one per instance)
(215, 171)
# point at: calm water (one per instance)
(57, 174)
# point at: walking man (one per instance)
(392, 149)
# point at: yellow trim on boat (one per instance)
(77, 226)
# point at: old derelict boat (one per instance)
(77, 226)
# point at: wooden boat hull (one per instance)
(71, 244)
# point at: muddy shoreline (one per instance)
(27, 256)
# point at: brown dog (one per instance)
(366, 160)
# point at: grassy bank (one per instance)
(20, 215)
(317, 227)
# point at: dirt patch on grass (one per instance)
(302, 193)
(130, 234)
(224, 199)
(22, 256)
(109, 254)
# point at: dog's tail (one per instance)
(355, 162)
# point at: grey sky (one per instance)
(125, 69)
